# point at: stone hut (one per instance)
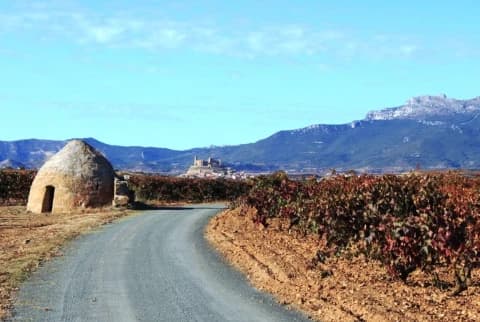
(78, 176)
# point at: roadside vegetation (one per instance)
(155, 189)
(148, 188)
(15, 186)
(361, 247)
(410, 222)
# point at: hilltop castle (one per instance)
(206, 168)
(210, 163)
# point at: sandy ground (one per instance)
(26, 240)
(340, 289)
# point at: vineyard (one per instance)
(426, 222)
(157, 188)
(15, 186)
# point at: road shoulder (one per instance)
(29, 239)
(341, 289)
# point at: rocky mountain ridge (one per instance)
(426, 107)
(431, 132)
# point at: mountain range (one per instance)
(430, 132)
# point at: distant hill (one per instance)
(33, 153)
(11, 164)
(428, 131)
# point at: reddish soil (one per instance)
(344, 288)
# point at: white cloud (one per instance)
(163, 37)
(408, 50)
(156, 33)
(287, 40)
(104, 34)
(256, 42)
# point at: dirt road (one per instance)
(152, 267)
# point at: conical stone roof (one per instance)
(78, 175)
(78, 158)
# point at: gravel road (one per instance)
(155, 266)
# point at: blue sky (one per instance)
(182, 74)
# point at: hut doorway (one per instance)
(47, 205)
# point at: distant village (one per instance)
(212, 168)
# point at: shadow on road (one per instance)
(143, 206)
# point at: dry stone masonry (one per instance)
(77, 177)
